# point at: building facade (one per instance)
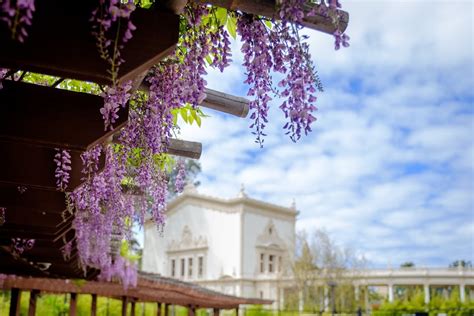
(239, 246)
(244, 247)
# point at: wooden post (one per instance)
(158, 311)
(216, 312)
(124, 305)
(191, 310)
(32, 308)
(15, 302)
(167, 309)
(132, 313)
(94, 305)
(73, 305)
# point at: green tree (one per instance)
(319, 270)
(461, 263)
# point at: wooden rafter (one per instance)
(54, 118)
(268, 8)
(60, 43)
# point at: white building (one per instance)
(242, 246)
(238, 246)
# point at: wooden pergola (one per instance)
(35, 120)
(150, 288)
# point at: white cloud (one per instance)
(389, 167)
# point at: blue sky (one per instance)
(389, 167)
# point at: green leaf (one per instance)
(232, 26)
(198, 120)
(221, 14)
(184, 114)
(79, 282)
(209, 59)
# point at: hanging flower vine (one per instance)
(126, 181)
(17, 14)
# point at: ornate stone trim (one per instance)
(187, 242)
(269, 238)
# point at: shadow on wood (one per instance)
(60, 42)
(53, 117)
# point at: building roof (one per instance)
(191, 193)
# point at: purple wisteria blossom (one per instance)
(17, 15)
(122, 269)
(280, 48)
(3, 215)
(340, 39)
(181, 176)
(3, 72)
(114, 98)
(103, 213)
(106, 20)
(22, 189)
(20, 245)
(258, 62)
(66, 250)
(62, 158)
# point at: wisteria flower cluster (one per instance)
(66, 250)
(114, 98)
(17, 14)
(101, 208)
(2, 215)
(123, 270)
(3, 72)
(22, 189)
(105, 206)
(20, 245)
(106, 28)
(181, 176)
(62, 158)
(280, 48)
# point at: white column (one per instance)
(356, 293)
(326, 299)
(462, 292)
(427, 293)
(282, 298)
(300, 302)
(366, 299)
(390, 292)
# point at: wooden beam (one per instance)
(73, 305)
(216, 312)
(219, 101)
(268, 8)
(20, 216)
(166, 311)
(50, 117)
(15, 299)
(226, 103)
(179, 147)
(46, 201)
(32, 307)
(27, 165)
(132, 307)
(94, 305)
(183, 148)
(71, 52)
